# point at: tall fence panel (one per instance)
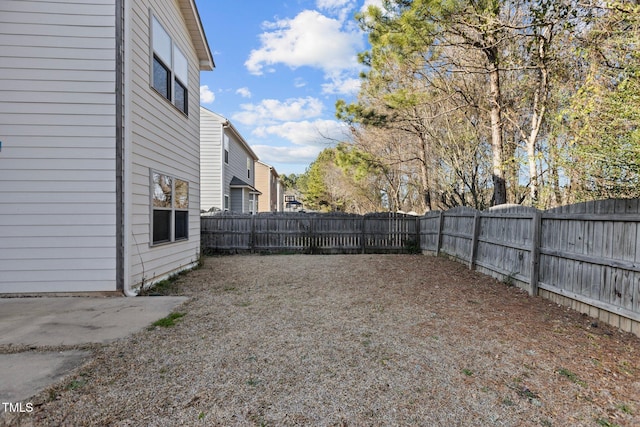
(309, 233)
(457, 232)
(505, 243)
(590, 254)
(337, 233)
(284, 233)
(430, 231)
(586, 256)
(226, 233)
(389, 232)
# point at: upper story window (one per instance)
(226, 149)
(170, 68)
(249, 167)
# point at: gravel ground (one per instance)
(354, 340)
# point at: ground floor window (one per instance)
(170, 208)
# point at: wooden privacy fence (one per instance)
(309, 233)
(586, 256)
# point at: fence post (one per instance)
(440, 227)
(418, 235)
(312, 235)
(535, 252)
(252, 236)
(474, 241)
(363, 243)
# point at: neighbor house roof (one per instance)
(227, 124)
(238, 183)
(196, 31)
(275, 172)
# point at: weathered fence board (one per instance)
(589, 252)
(430, 231)
(457, 233)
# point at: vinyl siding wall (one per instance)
(263, 184)
(238, 167)
(218, 175)
(237, 197)
(163, 139)
(57, 162)
(211, 152)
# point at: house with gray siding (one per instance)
(99, 154)
(227, 167)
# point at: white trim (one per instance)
(202, 46)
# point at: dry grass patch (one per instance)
(357, 340)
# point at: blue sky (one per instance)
(280, 67)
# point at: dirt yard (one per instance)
(355, 340)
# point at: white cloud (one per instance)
(206, 96)
(280, 154)
(376, 3)
(306, 133)
(340, 84)
(333, 4)
(339, 8)
(270, 111)
(310, 39)
(309, 138)
(244, 92)
(299, 82)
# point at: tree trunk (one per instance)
(424, 172)
(555, 175)
(539, 109)
(499, 183)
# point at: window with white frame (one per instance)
(170, 208)
(170, 69)
(249, 167)
(226, 149)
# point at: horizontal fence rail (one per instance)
(586, 256)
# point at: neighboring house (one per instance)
(291, 203)
(99, 162)
(268, 183)
(227, 167)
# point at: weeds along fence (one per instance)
(585, 256)
(309, 233)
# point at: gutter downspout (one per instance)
(119, 107)
(122, 151)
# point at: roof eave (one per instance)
(271, 168)
(228, 125)
(244, 143)
(198, 36)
